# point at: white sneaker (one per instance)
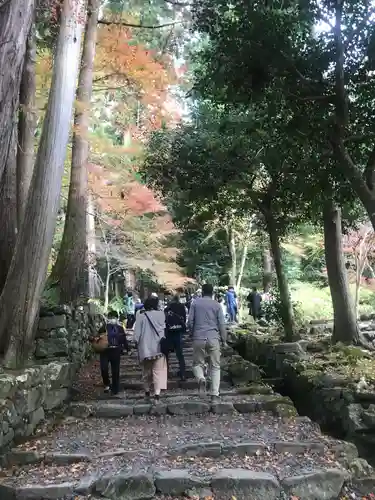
(107, 389)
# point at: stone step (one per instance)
(254, 456)
(137, 385)
(186, 405)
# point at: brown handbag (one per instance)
(100, 344)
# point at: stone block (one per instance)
(21, 457)
(143, 409)
(81, 410)
(67, 458)
(242, 449)
(51, 347)
(87, 483)
(202, 449)
(34, 418)
(28, 400)
(250, 406)
(322, 484)
(52, 322)
(296, 447)
(244, 484)
(176, 482)
(55, 398)
(8, 386)
(109, 410)
(222, 408)
(125, 485)
(188, 408)
(59, 374)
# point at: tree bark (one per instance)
(282, 282)
(19, 301)
(94, 285)
(26, 126)
(71, 267)
(233, 254)
(267, 270)
(15, 21)
(345, 325)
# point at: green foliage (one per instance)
(272, 309)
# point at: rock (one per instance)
(285, 410)
(322, 484)
(222, 408)
(67, 458)
(359, 467)
(291, 350)
(255, 389)
(34, 419)
(188, 408)
(158, 410)
(352, 418)
(246, 406)
(199, 493)
(59, 374)
(81, 410)
(242, 449)
(52, 322)
(365, 485)
(142, 409)
(126, 486)
(203, 449)
(28, 400)
(244, 484)
(368, 416)
(20, 457)
(55, 398)
(87, 483)
(7, 386)
(176, 482)
(345, 452)
(296, 447)
(242, 371)
(46, 492)
(51, 347)
(110, 410)
(6, 438)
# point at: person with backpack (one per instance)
(149, 335)
(175, 323)
(111, 355)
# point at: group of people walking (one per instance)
(159, 332)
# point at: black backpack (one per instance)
(173, 321)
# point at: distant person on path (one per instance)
(149, 330)
(223, 306)
(231, 303)
(175, 320)
(254, 300)
(117, 342)
(139, 306)
(207, 326)
(130, 311)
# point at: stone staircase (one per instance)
(250, 445)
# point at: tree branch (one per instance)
(176, 3)
(369, 173)
(132, 25)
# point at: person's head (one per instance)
(138, 301)
(112, 315)
(175, 298)
(130, 294)
(154, 295)
(207, 290)
(230, 288)
(151, 304)
(254, 288)
(220, 299)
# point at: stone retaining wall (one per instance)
(26, 396)
(332, 400)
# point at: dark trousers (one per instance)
(111, 356)
(176, 343)
(130, 320)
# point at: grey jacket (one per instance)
(145, 336)
(206, 320)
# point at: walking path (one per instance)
(248, 446)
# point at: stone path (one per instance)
(251, 445)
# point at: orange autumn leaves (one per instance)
(123, 63)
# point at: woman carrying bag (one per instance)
(149, 334)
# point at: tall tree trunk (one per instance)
(26, 126)
(233, 254)
(8, 212)
(15, 21)
(242, 265)
(345, 324)
(282, 282)
(267, 270)
(94, 285)
(19, 301)
(71, 267)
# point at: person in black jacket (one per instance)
(175, 322)
(117, 342)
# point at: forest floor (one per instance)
(246, 446)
